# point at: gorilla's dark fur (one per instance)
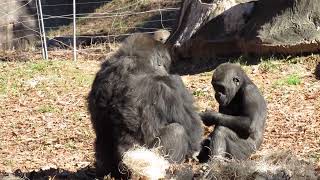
(240, 122)
(134, 100)
(317, 71)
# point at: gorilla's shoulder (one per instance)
(169, 88)
(173, 81)
(253, 97)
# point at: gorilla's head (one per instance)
(227, 80)
(147, 51)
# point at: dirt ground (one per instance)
(44, 121)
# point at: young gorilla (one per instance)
(239, 124)
(134, 100)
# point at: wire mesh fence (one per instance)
(80, 25)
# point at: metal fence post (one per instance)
(43, 31)
(74, 32)
(40, 30)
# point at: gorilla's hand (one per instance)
(209, 118)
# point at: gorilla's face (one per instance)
(220, 93)
(226, 85)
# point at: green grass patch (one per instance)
(46, 109)
(291, 80)
(39, 66)
(20, 77)
(71, 144)
(82, 79)
(241, 60)
(198, 93)
(267, 66)
(293, 59)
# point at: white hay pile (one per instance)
(145, 162)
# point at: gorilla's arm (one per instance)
(239, 124)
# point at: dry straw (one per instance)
(148, 163)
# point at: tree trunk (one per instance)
(193, 14)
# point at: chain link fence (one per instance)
(79, 25)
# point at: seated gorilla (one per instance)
(134, 100)
(239, 124)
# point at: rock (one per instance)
(18, 27)
(258, 27)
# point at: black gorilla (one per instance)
(240, 122)
(317, 71)
(134, 100)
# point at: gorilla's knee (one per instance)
(176, 129)
(174, 139)
(220, 131)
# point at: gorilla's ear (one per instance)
(236, 80)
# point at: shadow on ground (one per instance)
(63, 10)
(189, 66)
(87, 173)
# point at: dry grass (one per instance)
(43, 114)
(148, 163)
(45, 124)
(271, 165)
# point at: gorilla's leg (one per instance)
(104, 157)
(218, 145)
(239, 148)
(111, 143)
(174, 139)
(226, 143)
(103, 144)
(215, 144)
(205, 151)
(109, 154)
